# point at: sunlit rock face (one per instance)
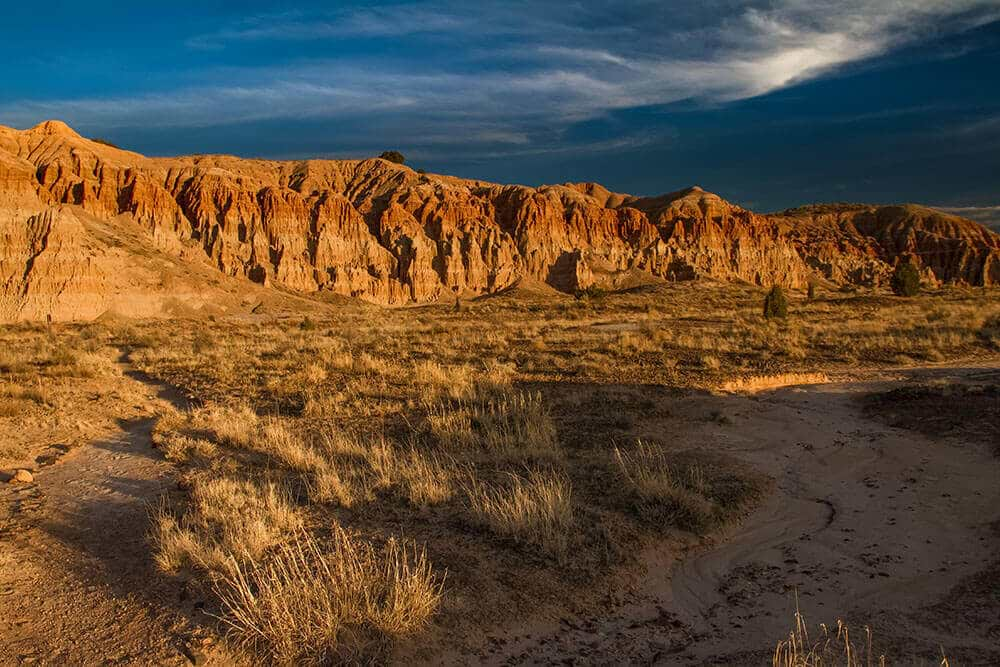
(380, 231)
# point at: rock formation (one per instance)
(382, 232)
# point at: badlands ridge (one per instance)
(88, 229)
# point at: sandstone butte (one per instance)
(85, 226)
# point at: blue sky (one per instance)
(770, 104)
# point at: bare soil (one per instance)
(868, 522)
(77, 585)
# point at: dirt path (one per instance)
(76, 579)
(868, 522)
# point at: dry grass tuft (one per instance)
(537, 509)
(277, 440)
(176, 446)
(830, 649)
(350, 469)
(301, 604)
(234, 425)
(510, 426)
(14, 398)
(681, 491)
(226, 519)
(429, 480)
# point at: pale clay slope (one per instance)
(387, 234)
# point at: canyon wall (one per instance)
(385, 233)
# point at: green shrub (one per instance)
(393, 156)
(775, 303)
(905, 280)
(990, 331)
(591, 292)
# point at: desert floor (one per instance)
(866, 476)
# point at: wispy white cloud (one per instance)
(517, 73)
(986, 215)
(392, 21)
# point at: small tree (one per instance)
(905, 279)
(811, 291)
(393, 156)
(775, 303)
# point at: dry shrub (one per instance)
(352, 469)
(277, 440)
(304, 603)
(177, 446)
(226, 519)
(36, 394)
(679, 491)
(829, 649)
(234, 425)
(511, 426)
(537, 509)
(437, 381)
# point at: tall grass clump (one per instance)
(680, 492)
(306, 604)
(350, 469)
(508, 426)
(225, 519)
(537, 510)
(234, 425)
(829, 649)
(277, 440)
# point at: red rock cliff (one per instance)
(382, 232)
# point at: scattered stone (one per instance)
(22, 476)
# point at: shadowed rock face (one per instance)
(382, 232)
